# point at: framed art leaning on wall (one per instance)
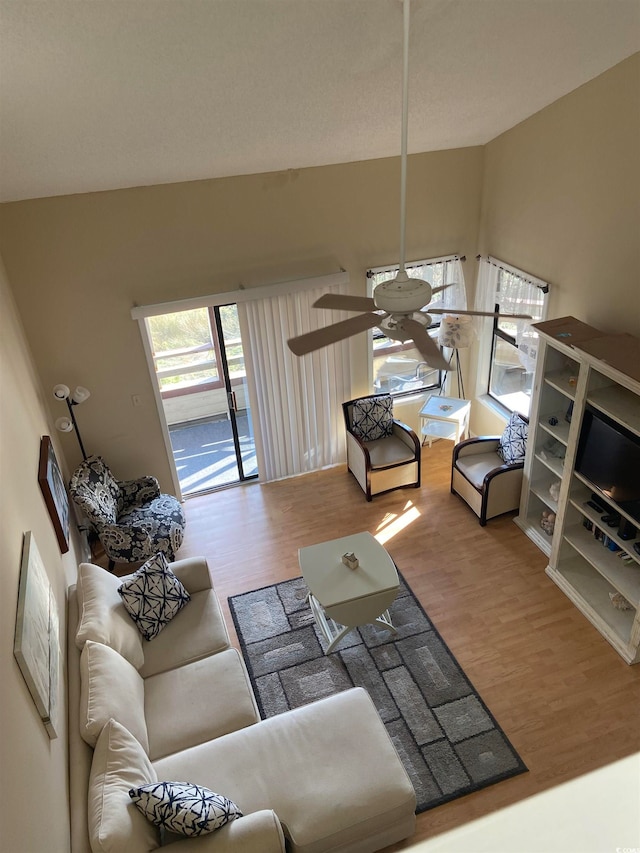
(54, 492)
(36, 644)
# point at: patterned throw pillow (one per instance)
(513, 441)
(184, 808)
(152, 596)
(372, 418)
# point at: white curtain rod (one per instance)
(280, 288)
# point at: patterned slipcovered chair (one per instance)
(131, 518)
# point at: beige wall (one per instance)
(561, 200)
(77, 264)
(34, 768)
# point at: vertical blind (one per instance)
(296, 401)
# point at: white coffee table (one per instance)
(341, 598)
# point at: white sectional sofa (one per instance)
(325, 777)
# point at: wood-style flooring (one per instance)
(566, 700)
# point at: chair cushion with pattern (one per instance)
(372, 417)
(513, 441)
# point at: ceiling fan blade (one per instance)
(478, 313)
(344, 302)
(441, 288)
(319, 338)
(424, 343)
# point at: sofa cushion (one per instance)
(303, 765)
(389, 451)
(119, 763)
(372, 417)
(153, 596)
(184, 808)
(110, 688)
(475, 466)
(197, 702)
(102, 615)
(513, 441)
(197, 631)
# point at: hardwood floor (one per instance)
(566, 700)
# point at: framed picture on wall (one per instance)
(54, 492)
(36, 644)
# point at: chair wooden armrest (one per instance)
(479, 444)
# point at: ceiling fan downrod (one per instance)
(405, 132)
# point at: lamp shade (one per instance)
(61, 392)
(80, 394)
(64, 425)
(456, 331)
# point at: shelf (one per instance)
(540, 482)
(596, 518)
(559, 431)
(625, 578)
(593, 591)
(606, 500)
(439, 429)
(553, 463)
(618, 403)
(533, 530)
(568, 378)
(563, 381)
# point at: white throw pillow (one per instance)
(153, 596)
(110, 688)
(102, 616)
(119, 762)
(184, 808)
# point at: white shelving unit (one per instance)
(579, 366)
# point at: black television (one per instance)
(609, 457)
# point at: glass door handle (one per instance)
(231, 399)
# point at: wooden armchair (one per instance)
(382, 453)
(486, 471)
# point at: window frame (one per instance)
(500, 334)
(195, 387)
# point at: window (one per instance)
(186, 350)
(514, 343)
(398, 368)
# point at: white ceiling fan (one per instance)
(397, 305)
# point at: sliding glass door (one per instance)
(199, 363)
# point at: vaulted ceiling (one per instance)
(104, 94)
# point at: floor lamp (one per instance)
(62, 392)
(456, 333)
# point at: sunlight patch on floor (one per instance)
(392, 524)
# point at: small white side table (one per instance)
(342, 598)
(444, 417)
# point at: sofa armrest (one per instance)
(193, 573)
(258, 832)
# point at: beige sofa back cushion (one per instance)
(115, 824)
(102, 616)
(110, 688)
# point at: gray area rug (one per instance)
(445, 735)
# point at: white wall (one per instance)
(34, 813)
